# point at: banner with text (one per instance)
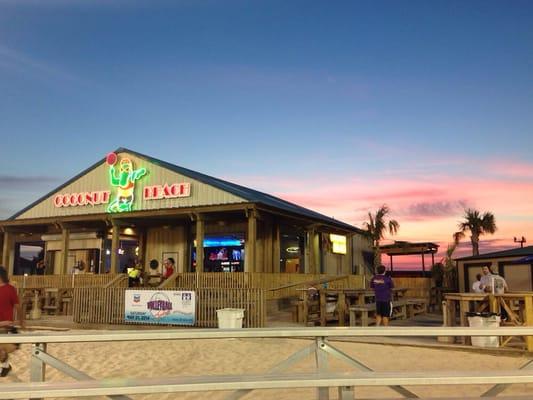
(175, 307)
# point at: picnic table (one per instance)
(323, 304)
(54, 301)
(518, 307)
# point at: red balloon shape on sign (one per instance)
(111, 159)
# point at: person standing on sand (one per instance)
(9, 302)
(382, 285)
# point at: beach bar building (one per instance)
(132, 207)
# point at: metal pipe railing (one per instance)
(133, 335)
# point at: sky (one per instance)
(337, 106)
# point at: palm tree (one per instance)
(449, 267)
(376, 228)
(478, 225)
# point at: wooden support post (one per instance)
(423, 263)
(391, 265)
(142, 248)
(250, 252)
(115, 244)
(450, 310)
(463, 309)
(528, 319)
(311, 268)
(341, 308)
(494, 305)
(6, 249)
(200, 228)
(276, 249)
(323, 308)
(65, 242)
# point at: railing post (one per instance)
(346, 393)
(37, 366)
(321, 366)
(528, 319)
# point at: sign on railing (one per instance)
(168, 307)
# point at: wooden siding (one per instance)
(98, 179)
(360, 243)
(171, 240)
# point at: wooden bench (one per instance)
(367, 311)
(416, 307)
(345, 381)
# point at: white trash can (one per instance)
(230, 318)
(484, 321)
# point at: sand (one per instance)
(241, 356)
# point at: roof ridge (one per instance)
(250, 195)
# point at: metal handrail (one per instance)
(310, 283)
(320, 347)
(310, 332)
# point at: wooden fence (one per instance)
(418, 287)
(106, 305)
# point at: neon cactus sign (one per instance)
(123, 176)
(124, 182)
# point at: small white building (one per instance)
(515, 265)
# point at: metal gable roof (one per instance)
(518, 252)
(253, 196)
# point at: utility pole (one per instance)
(522, 240)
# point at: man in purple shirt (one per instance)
(382, 286)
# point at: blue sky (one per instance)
(280, 96)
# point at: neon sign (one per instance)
(82, 199)
(123, 176)
(125, 183)
(167, 191)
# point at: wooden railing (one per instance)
(332, 282)
(517, 308)
(120, 280)
(106, 305)
(61, 281)
(285, 284)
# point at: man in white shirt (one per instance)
(476, 286)
(492, 283)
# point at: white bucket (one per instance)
(230, 318)
(485, 322)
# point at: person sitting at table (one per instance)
(382, 285)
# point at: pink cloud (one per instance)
(427, 208)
